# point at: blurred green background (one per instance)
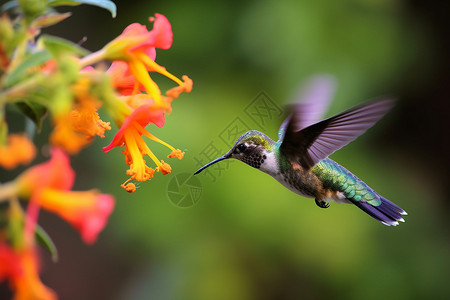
(248, 237)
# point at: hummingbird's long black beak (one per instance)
(211, 163)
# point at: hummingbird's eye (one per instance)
(241, 147)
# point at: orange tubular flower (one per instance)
(19, 150)
(133, 54)
(87, 211)
(130, 135)
(84, 116)
(21, 268)
(48, 185)
(75, 129)
(55, 174)
(136, 46)
(65, 136)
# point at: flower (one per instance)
(84, 116)
(65, 136)
(133, 56)
(54, 174)
(136, 47)
(130, 135)
(9, 264)
(127, 85)
(19, 150)
(48, 185)
(87, 211)
(75, 129)
(136, 38)
(21, 268)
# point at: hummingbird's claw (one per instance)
(322, 204)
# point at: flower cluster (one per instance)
(48, 186)
(133, 54)
(42, 76)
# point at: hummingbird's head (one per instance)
(250, 148)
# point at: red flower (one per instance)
(87, 211)
(133, 54)
(136, 47)
(136, 38)
(21, 268)
(48, 186)
(130, 135)
(9, 264)
(55, 174)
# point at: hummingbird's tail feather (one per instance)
(387, 212)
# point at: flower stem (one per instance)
(92, 58)
(19, 90)
(8, 190)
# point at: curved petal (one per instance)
(134, 30)
(143, 115)
(161, 34)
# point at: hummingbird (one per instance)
(299, 159)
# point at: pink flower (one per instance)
(87, 211)
(48, 185)
(136, 46)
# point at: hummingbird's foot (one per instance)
(322, 204)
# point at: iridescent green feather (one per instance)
(337, 178)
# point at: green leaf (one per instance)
(45, 241)
(35, 111)
(106, 4)
(21, 71)
(56, 45)
(49, 19)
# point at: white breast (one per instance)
(270, 164)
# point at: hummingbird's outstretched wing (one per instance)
(311, 103)
(316, 142)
